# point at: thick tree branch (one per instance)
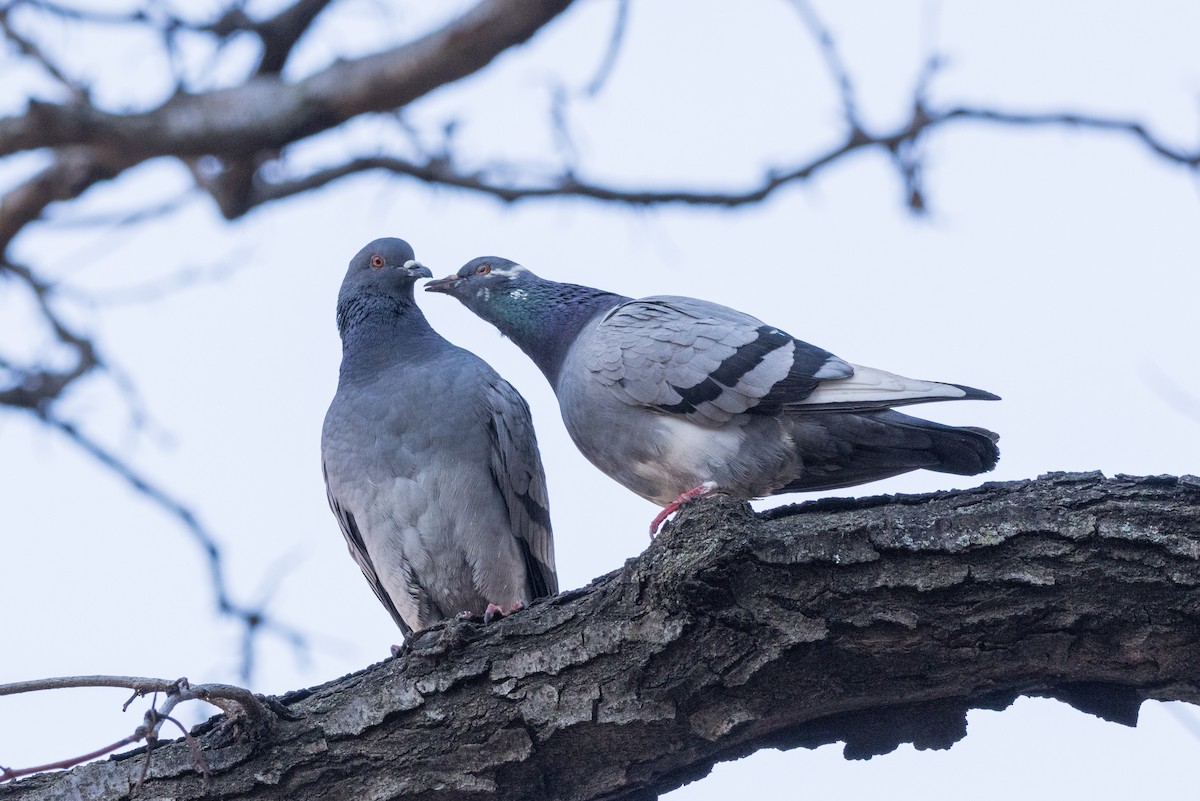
(873, 622)
(266, 113)
(73, 172)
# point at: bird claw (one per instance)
(707, 488)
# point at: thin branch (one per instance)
(280, 33)
(1071, 120)
(139, 684)
(88, 15)
(229, 699)
(197, 753)
(609, 60)
(252, 618)
(561, 96)
(38, 388)
(833, 62)
(120, 219)
(224, 696)
(444, 172)
(29, 48)
(8, 774)
(157, 289)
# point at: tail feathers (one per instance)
(976, 394)
(841, 450)
(868, 389)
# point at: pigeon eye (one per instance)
(377, 262)
(483, 269)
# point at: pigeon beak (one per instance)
(417, 269)
(445, 285)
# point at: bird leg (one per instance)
(707, 488)
(491, 613)
(494, 612)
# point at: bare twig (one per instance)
(609, 61)
(39, 387)
(140, 685)
(833, 62)
(30, 48)
(229, 699)
(127, 218)
(253, 619)
(163, 287)
(280, 33)
(445, 173)
(8, 774)
(88, 15)
(197, 754)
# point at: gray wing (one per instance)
(705, 361)
(358, 550)
(516, 467)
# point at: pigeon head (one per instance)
(488, 282)
(384, 266)
(380, 278)
(542, 317)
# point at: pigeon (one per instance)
(430, 460)
(676, 398)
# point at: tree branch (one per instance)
(233, 701)
(253, 618)
(874, 622)
(833, 62)
(265, 113)
(35, 389)
(280, 33)
(444, 172)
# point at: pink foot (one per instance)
(491, 613)
(707, 488)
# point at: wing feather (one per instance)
(358, 550)
(517, 469)
(703, 360)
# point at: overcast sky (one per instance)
(1057, 269)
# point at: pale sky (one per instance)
(1058, 269)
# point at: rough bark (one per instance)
(874, 622)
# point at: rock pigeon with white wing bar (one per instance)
(676, 397)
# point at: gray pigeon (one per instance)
(430, 460)
(676, 397)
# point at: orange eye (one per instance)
(377, 262)
(483, 269)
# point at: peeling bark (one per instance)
(875, 622)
